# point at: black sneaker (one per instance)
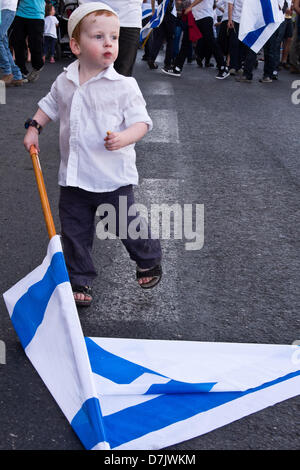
(223, 73)
(175, 71)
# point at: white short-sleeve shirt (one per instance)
(50, 26)
(237, 9)
(203, 9)
(107, 102)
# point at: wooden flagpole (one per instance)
(42, 190)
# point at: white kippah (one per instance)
(83, 10)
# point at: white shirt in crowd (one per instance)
(107, 102)
(237, 9)
(203, 9)
(9, 5)
(224, 5)
(50, 26)
(129, 11)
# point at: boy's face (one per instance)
(98, 45)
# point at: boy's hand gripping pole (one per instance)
(42, 190)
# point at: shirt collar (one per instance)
(72, 73)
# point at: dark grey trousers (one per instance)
(128, 45)
(77, 209)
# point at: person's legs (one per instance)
(184, 48)
(52, 50)
(223, 38)
(206, 27)
(133, 230)
(77, 212)
(158, 37)
(234, 50)
(250, 60)
(177, 36)
(270, 56)
(128, 46)
(169, 26)
(46, 45)
(7, 63)
(19, 34)
(279, 39)
(295, 50)
(35, 42)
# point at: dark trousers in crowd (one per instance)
(236, 50)
(210, 44)
(181, 27)
(202, 52)
(33, 30)
(49, 45)
(128, 45)
(148, 43)
(250, 61)
(166, 32)
(223, 38)
(270, 55)
(77, 209)
(185, 48)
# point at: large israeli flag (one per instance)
(154, 20)
(140, 394)
(259, 20)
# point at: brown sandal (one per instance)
(155, 273)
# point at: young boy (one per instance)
(102, 114)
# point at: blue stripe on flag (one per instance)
(30, 309)
(136, 421)
(253, 36)
(87, 423)
(113, 367)
(179, 387)
(155, 20)
(266, 6)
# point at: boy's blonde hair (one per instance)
(77, 29)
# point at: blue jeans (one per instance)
(7, 63)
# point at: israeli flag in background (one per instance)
(259, 20)
(140, 394)
(154, 21)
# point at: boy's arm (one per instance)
(32, 135)
(133, 133)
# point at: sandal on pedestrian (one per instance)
(87, 291)
(155, 273)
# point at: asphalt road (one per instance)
(231, 147)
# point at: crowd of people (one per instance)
(209, 28)
(191, 30)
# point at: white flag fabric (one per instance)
(140, 394)
(154, 20)
(259, 20)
